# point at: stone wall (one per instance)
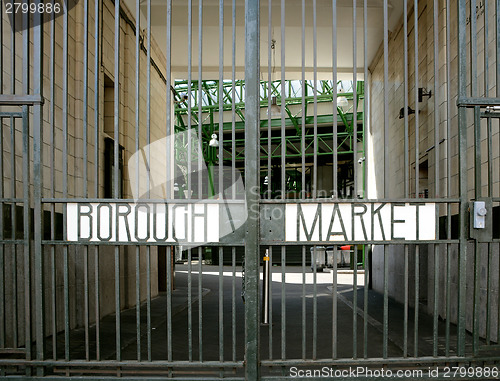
(427, 157)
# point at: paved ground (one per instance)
(293, 340)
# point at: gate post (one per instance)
(462, 152)
(38, 187)
(252, 164)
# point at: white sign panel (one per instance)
(360, 222)
(143, 222)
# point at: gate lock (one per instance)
(480, 212)
(481, 220)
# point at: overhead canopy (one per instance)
(292, 43)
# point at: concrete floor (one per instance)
(271, 336)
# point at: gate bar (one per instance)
(137, 178)
(406, 172)
(462, 138)
(436, 173)
(417, 174)
(252, 164)
(148, 178)
(2, 246)
(97, 24)
(116, 155)
(37, 191)
(386, 176)
(13, 213)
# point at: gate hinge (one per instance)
(481, 220)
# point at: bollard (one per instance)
(265, 293)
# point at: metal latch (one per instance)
(481, 221)
(479, 213)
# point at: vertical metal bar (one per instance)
(485, 47)
(200, 113)
(283, 175)
(315, 173)
(355, 303)
(252, 164)
(148, 178)
(116, 175)
(303, 164)
(233, 101)
(26, 58)
(37, 31)
(270, 302)
(97, 305)
(52, 189)
(497, 59)
(27, 230)
(462, 139)
(315, 305)
(335, 108)
(190, 308)
(13, 58)
(477, 169)
(417, 173)
(283, 102)
(283, 302)
(169, 174)
(138, 297)
(66, 305)
(304, 325)
(189, 101)
(221, 175)
(85, 169)
(221, 305)
(334, 306)
(96, 99)
(137, 175)
(448, 179)
(303, 102)
(221, 97)
(490, 172)
(2, 246)
(200, 299)
(406, 172)
(386, 175)
(26, 222)
(365, 112)
(169, 303)
(315, 98)
(354, 160)
(365, 303)
(117, 304)
(271, 54)
(1, 52)
(13, 213)
(65, 183)
(491, 270)
(233, 301)
(436, 172)
(355, 98)
(86, 299)
(148, 299)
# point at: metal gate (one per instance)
(157, 154)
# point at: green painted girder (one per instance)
(346, 139)
(324, 93)
(321, 119)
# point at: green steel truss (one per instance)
(231, 96)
